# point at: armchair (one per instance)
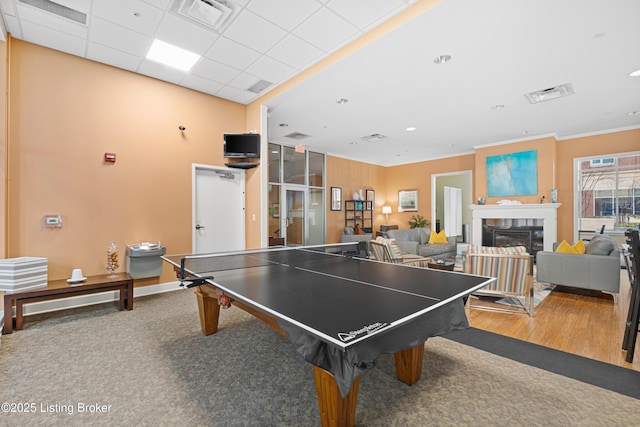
(597, 269)
(387, 251)
(511, 266)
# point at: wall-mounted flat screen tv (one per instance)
(242, 145)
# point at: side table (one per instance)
(57, 289)
(447, 265)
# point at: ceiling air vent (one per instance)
(374, 137)
(297, 136)
(58, 9)
(259, 86)
(550, 93)
(210, 13)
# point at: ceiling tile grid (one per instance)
(264, 40)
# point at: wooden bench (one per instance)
(57, 289)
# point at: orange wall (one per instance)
(66, 112)
(417, 176)
(546, 156)
(570, 149)
(352, 176)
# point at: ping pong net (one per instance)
(196, 270)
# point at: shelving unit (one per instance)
(359, 212)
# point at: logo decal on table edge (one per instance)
(348, 336)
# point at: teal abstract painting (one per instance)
(514, 174)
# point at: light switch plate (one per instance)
(53, 221)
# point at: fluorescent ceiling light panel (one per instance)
(172, 56)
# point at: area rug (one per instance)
(539, 294)
(153, 367)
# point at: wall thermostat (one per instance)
(53, 221)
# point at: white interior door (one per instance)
(218, 209)
(452, 211)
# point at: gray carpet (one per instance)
(152, 366)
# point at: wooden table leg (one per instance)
(129, 289)
(8, 314)
(209, 311)
(409, 364)
(19, 314)
(122, 293)
(335, 410)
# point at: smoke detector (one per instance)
(550, 93)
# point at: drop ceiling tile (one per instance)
(201, 84)
(363, 13)
(113, 57)
(326, 30)
(121, 12)
(295, 52)
(285, 13)
(161, 72)
(162, 4)
(236, 95)
(53, 39)
(270, 69)
(120, 38)
(243, 81)
(231, 53)
(185, 34)
(214, 71)
(55, 22)
(254, 32)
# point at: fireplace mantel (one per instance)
(548, 212)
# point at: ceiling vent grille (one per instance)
(550, 93)
(210, 13)
(374, 137)
(259, 86)
(297, 136)
(58, 9)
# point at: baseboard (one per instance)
(84, 300)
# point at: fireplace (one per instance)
(529, 236)
(539, 221)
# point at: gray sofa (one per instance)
(597, 269)
(416, 241)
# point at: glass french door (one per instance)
(292, 217)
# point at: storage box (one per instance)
(23, 273)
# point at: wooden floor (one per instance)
(580, 322)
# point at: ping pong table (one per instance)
(339, 312)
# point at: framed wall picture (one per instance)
(336, 198)
(407, 200)
(371, 196)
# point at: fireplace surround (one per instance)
(517, 217)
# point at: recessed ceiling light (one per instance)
(452, 145)
(342, 101)
(283, 125)
(137, 14)
(634, 113)
(172, 56)
(411, 129)
(442, 59)
(498, 107)
(636, 73)
(526, 132)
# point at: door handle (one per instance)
(198, 226)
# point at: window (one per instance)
(609, 192)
